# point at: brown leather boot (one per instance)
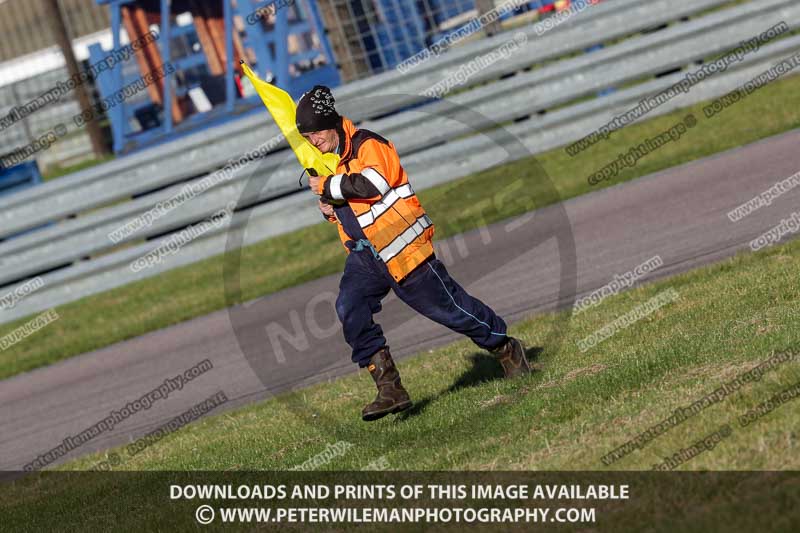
(511, 355)
(392, 397)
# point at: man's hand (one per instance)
(327, 210)
(313, 182)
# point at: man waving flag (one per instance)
(364, 190)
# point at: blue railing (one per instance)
(19, 177)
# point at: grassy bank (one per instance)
(576, 408)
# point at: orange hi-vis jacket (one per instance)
(374, 184)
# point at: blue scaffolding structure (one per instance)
(137, 122)
(389, 32)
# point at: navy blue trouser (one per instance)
(429, 290)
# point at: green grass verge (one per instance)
(578, 406)
(285, 261)
(728, 318)
(57, 171)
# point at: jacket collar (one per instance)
(346, 130)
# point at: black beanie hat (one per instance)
(316, 111)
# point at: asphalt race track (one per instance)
(679, 214)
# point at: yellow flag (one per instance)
(281, 106)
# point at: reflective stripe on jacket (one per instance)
(375, 185)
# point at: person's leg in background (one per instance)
(431, 291)
(361, 290)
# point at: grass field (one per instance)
(576, 408)
(282, 262)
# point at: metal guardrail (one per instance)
(87, 235)
(442, 163)
(204, 151)
(212, 148)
